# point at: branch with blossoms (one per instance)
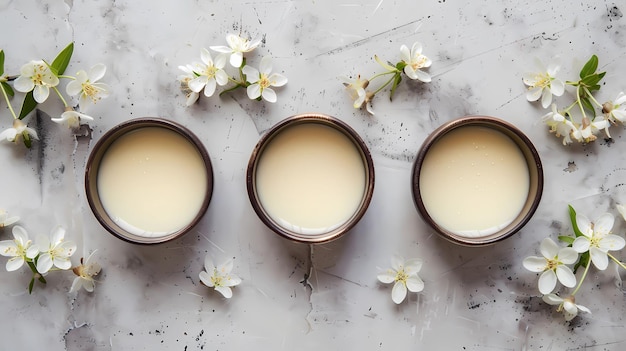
(46, 254)
(584, 117)
(590, 244)
(36, 79)
(204, 77)
(411, 64)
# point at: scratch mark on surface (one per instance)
(342, 278)
(378, 6)
(367, 39)
(509, 101)
(211, 242)
(453, 65)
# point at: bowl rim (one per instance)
(338, 125)
(93, 164)
(533, 161)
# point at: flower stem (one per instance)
(381, 74)
(579, 102)
(580, 283)
(6, 97)
(591, 97)
(621, 264)
(61, 97)
(383, 86)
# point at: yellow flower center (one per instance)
(551, 264)
(401, 276)
(419, 63)
(91, 91)
(264, 82)
(38, 74)
(542, 80)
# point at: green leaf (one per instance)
(28, 105)
(31, 285)
(42, 279)
(60, 63)
(7, 88)
(583, 261)
(589, 67)
(567, 239)
(397, 78)
(592, 79)
(572, 217)
(1, 62)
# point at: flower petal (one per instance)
(583, 308)
(254, 91)
(548, 248)
(252, 74)
(269, 95)
(568, 255)
(405, 54)
(599, 258)
(277, 80)
(197, 84)
(76, 284)
(412, 266)
(557, 88)
(41, 93)
(584, 225)
(547, 282)
(565, 276)
(97, 72)
(398, 293)
(44, 263)
(208, 264)
(422, 76)
(534, 93)
(236, 59)
(546, 98)
(62, 263)
(612, 242)
(205, 278)
(535, 264)
(7, 248)
(226, 267)
(209, 88)
(387, 277)
(14, 263)
(57, 235)
(221, 77)
(604, 224)
(415, 283)
(581, 244)
(205, 56)
(73, 88)
(225, 291)
(20, 234)
(570, 307)
(23, 84)
(232, 280)
(266, 65)
(552, 299)
(221, 49)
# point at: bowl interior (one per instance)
(535, 174)
(93, 168)
(253, 190)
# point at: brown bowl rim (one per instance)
(527, 148)
(93, 163)
(367, 161)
